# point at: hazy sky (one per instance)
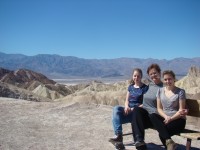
(162, 29)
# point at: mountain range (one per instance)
(56, 66)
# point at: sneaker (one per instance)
(133, 143)
(117, 139)
(171, 145)
(119, 146)
(163, 141)
(140, 145)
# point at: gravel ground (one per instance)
(26, 125)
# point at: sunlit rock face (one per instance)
(191, 82)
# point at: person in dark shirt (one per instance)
(134, 98)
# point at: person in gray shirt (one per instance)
(140, 117)
(171, 117)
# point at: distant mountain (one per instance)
(55, 66)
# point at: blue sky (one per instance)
(101, 29)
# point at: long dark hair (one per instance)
(138, 70)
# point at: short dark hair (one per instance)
(155, 66)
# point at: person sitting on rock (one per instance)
(134, 98)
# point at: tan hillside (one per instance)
(100, 93)
(43, 91)
(191, 82)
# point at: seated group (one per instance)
(159, 105)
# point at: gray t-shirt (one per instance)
(149, 98)
(171, 104)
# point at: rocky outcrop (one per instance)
(196, 96)
(194, 72)
(191, 82)
(43, 91)
(33, 82)
(7, 90)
